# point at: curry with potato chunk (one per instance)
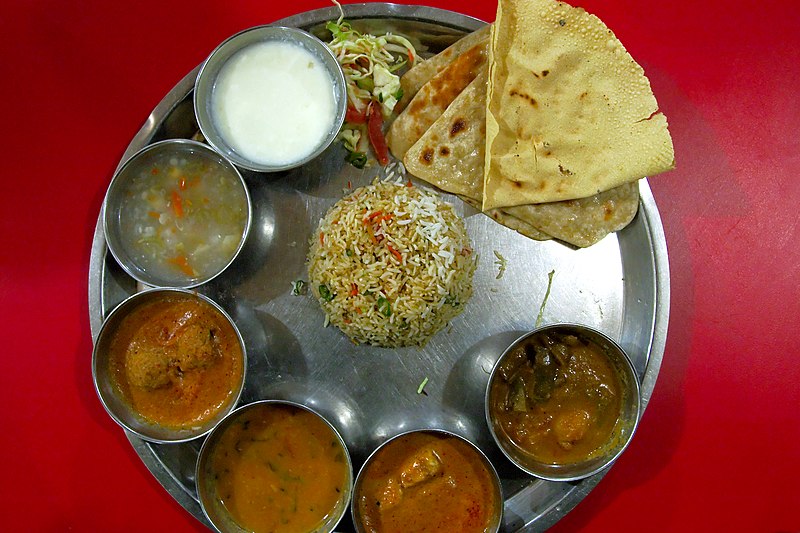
(557, 397)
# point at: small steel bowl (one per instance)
(112, 398)
(496, 518)
(205, 476)
(119, 224)
(621, 435)
(207, 78)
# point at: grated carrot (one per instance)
(182, 263)
(177, 204)
(395, 253)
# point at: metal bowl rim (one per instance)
(115, 182)
(132, 301)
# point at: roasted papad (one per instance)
(570, 113)
(423, 71)
(450, 156)
(433, 98)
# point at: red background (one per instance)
(718, 446)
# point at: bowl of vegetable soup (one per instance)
(176, 214)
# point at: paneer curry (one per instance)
(427, 481)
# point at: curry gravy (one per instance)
(176, 360)
(425, 482)
(558, 398)
(279, 468)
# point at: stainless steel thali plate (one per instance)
(619, 286)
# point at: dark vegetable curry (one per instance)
(426, 481)
(177, 361)
(557, 397)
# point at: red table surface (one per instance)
(717, 448)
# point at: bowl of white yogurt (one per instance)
(270, 98)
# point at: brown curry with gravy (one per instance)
(557, 397)
(176, 360)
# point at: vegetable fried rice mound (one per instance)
(391, 264)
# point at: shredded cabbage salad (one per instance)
(370, 64)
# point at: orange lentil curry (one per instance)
(279, 468)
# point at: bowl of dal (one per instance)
(168, 365)
(563, 402)
(274, 465)
(427, 480)
(270, 98)
(176, 214)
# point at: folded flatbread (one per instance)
(421, 73)
(450, 155)
(433, 98)
(570, 113)
(509, 221)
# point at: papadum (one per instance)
(450, 156)
(570, 113)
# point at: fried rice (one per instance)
(391, 264)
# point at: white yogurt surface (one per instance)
(273, 102)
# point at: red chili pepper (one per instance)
(375, 132)
(353, 289)
(354, 116)
(321, 238)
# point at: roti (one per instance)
(569, 112)
(436, 95)
(450, 156)
(510, 221)
(422, 72)
(584, 221)
(450, 153)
